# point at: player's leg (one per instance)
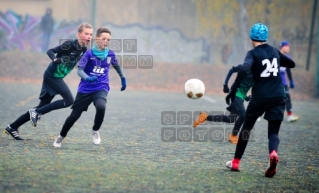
(252, 114)
(12, 128)
(69, 122)
(59, 104)
(100, 101)
(233, 136)
(238, 105)
(81, 103)
(274, 115)
(203, 117)
(290, 116)
(239, 122)
(100, 104)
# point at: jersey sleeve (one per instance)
(289, 74)
(237, 68)
(114, 60)
(116, 65)
(84, 60)
(249, 59)
(285, 61)
(243, 70)
(59, 49)
(229, 74)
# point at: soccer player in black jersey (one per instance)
(236, 107)
(64, 58)
(268, 94)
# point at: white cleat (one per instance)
(96, 137)
(58, 141)
(228, 164)
(291, 118)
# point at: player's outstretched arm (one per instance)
(118, 69)
(59, 49)
(285, 61)
(226, 89)
(230, 72)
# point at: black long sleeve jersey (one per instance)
(264, 62)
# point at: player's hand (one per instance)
(123, 81)
(226, 89)
(292, 84)
(247, 98)
(230, 97)
(92, 79)
(58, 61)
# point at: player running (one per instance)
(285, 49)
(268, 95)
(236, 106)
(64, 57)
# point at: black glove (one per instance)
(247, 98)
(226, 89)
(230, 97)
(58, 61)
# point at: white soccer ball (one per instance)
(194, 88)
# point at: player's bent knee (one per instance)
(68, 102)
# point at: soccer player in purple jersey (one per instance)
(93, 68)
(285, 49)
(268, 95)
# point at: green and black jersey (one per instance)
(70, 52)
(245, 85)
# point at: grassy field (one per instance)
(132, 156)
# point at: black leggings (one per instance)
(44, 107)
(238, 118)
(273, 131)
(100, 104)
(288, 102)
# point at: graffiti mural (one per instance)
(23, 33)
(18, 32)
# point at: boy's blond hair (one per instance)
(84, 25)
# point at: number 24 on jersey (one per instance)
(271, 68)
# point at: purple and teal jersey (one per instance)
(283, 73)
(94, 66)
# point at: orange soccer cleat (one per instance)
(233, 138)
(201, 118)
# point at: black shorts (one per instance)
(83, 100)
(272, 107)
(53, 86)
(236, 106)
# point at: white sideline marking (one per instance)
(209, 99)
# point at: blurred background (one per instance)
(186, 38)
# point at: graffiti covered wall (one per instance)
(23, 32)
(182, 31)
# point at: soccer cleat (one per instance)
(201, 118)
(58, 141)
(13, 132)
(273, 161)
(233, 165)
(34, 117)
(292, 118)
(96, 137)
(233, 138)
